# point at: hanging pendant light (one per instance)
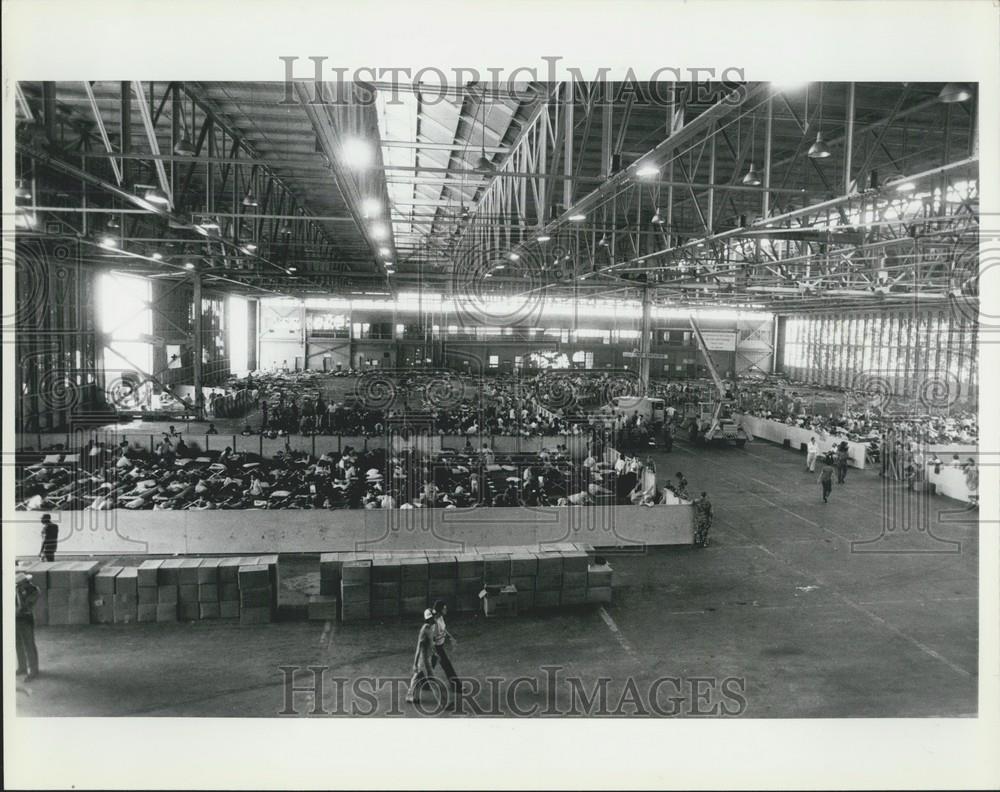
(955, 92)
(21, 192)
(156, 196)
(483, 164)
(656, 219)
(184, 147)
(819, 149)
(752, 178)
(113, 223)
(603, 241)
(249, 200)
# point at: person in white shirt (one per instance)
(812, 452)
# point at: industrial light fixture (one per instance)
(656, 219)
(647, 171)
(157, 256)
(752, 178)
(248, 199)
(955, 92)
(113, 223)
(483, 164)
(513, 257)
(293, 268)
(371, 207)
(389, 264)
(155, 195)
(906, 186)
(108, 242)
(543, 238)
(499, 267)
(577, 218)
(384, 251)
(285, 228)
(249, 247)
(379, 231)
(819, 149)
(603, 241)
(21, 192)
(184, 147)
(188, 265)
(357, 153)
(463, 211)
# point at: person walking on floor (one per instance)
(812, 451)
(24, 626)
(702, 520)
(826, 477)
(442, 638)
(842, 458)
(50, 539)
(423, 665)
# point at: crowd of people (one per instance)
(179, 475)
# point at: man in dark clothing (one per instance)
(826, 477)
(703, 520)
(842, 457)
(50, 538)
(24, 626)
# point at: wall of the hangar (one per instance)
(59, 380)
(173, 317)
(928, 354)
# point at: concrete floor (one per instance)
(779, 617)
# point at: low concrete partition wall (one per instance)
(294, 531)
(778, 432)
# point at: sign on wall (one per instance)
(719, 340)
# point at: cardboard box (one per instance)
(59, 574)
(599, 576)
(145, 612)
(208, 592)
(42, 607)
(466, 587)
(467, 603)
(79, 606)
(208, 610)
(355, 611)
(255, 615)
(81, 574)
(166, 612)
(102, 609)
(187, 573)
(574, 561)
(412, 569)
(525, 600)
(208, 571)
(329, 572)
(169, 573)
(354, 592)
(523, 583)
(187, 592)
(385, 608)
(386, 591)
(523, 565)
(413, 588)
(148, 595)
(386, 571)
(440, 588)
(104, 580)
(573, 596)
(149, 572)
(499, 601)
(469, 566)
(442, 567)
(496, 569)
(229, 609)
(574, 580)
(597, 594)
(414, 606)
(167, 595)
(550, 565)
(127, 582)
(125, 608)
(188, 611)
(322, 607)
(254, 576)
(229, 592)
(229, 569)
(547, 599)
(255, 598)
(356, 572)
(39, 571)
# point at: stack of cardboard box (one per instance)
(39, 571)
(523, 572)
(208, 589)
(102, 604)
(599, 577)
(386, 591)
(229, 588)
(126, 598)
(355, 588)
(548, 579)
(574, 584)
(68, 591)
(187, 589)
(168, 582)
(255, 593)
(148, 590)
